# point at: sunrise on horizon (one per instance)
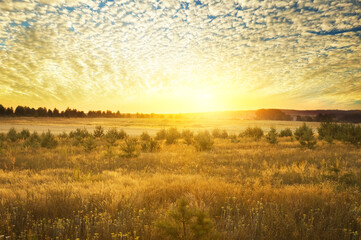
(180, 56)
(180, 120)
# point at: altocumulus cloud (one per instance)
(66, 51)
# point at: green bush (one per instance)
(150, 145)
(233, 138)
(328, 131)
(172, 135)
(33, 141)
(98, 132)
(350, 133)
(113, 135)
(48, 140)
(203, 141)
(145, 136)
(89, 143)
(130, 147)
(12, 135)
(188, 136)
(24, 134)
(78, 136)
(79, 133)
(256, 133)
(185, 222)
(218, 133)
(161, 135)
(271, 136)
(286, 133)
(305, 136)
(63, 135)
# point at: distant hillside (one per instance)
(293, 115)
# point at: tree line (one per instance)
(276, 114)
(24, 111)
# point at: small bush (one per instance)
(150, 145)
(33, 141)
(350, 133)
(216, 133)
(233, 138)
(130, 147)
(188, 136)
(161, 135)
(203, 141)
(12, 135)
(48, 140)
(286, 133)
(78, 136)
(256, 133)
(113, 135)
(89, 143)
(63, 135)
(172, 135)
(305, 136)
(79, 133)
(98, 132)
(121, 134)
(328, 131)
(224, 134)
(24, 134)
(185, 222)
(271, 136)
(145, 136)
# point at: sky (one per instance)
(180, 56)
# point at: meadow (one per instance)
(183, 183)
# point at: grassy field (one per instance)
(239, 189)
(135, 126)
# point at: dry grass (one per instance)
(250, 190)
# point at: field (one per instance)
(135, 126)
(241, 188)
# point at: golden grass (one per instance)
(251, 190)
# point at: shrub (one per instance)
(271, 136)
(286, 133)
(218, 133)
(113, 135)
(12, 135)
(328, 131)
(98, 132)
(350, 133)
(48, 140)
(161, 135)
(150, 145)
(185, 222)
(33, 141)
(63, 135)
(172, 135)
(89, 143)
(145, 137)
(233, 138)
(79, 133)
(24, 134)
(255, 133)
(188, 136)
(78, 136)
(203, 141)
(121, 134)
(224, 134)
(305, 136)
(130, 148)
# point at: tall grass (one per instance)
(239, 189)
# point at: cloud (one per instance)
(77, 50)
